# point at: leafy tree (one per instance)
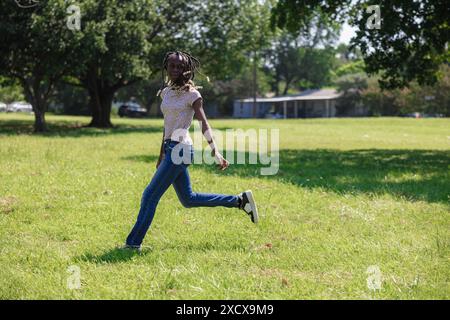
(35, 50)
(347, 54)
(226, 34)
(224, 92)
(296, 60)
(352, 87)
(119, 47)
(352, 67)
(124, 42)
(433, 99)
(379, 102)
(10, 90)
(227, 37)
(411, 43)
(73, 99)
(362, 92)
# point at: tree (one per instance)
(366, 93)
(346, 53)
(411, 44)
(119, 47)
(224, 36)
(35, 50)
(350, 68)
(10, 90)
(71, 100)
(124, 42)
(433, 99)
(352, 87)
(257, 29)
(297, 60)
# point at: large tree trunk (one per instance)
(100, 101)
(105, 115)
(101, 110)
(39, 120)
(34, 93)
(101, 93)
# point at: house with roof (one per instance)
(308, 104)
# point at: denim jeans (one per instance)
(171, 172)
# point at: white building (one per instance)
(308, 104)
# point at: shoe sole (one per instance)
(255, 216)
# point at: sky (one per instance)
(347, 33)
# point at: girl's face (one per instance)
(175, 67)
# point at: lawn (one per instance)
(354, 200)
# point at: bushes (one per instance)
(352, 86)
(363, 95)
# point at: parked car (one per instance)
(132, 110)
(20, 106)
(3, 107)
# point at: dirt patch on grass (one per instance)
(7, 204)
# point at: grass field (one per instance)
(351, 196)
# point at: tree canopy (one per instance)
(410, 44)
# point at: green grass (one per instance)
(350, 194)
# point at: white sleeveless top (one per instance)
(176, 107)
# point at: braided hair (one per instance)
(191, 66)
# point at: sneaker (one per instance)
(247, 203)
(130, 247)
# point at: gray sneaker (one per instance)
(247, 203)
(130, 247)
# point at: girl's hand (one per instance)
(221, 161)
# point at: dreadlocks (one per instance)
(191, 65)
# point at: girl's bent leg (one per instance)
(189, 199)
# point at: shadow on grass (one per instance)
(115, 255)
(65, 128)
(410, 174)
(75, 129)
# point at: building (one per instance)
(308, 104)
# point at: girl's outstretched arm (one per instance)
(206, 130)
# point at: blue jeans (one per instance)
(172, 172)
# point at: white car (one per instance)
(3, 107)
(20, 106)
